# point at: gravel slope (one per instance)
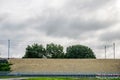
(65, 65)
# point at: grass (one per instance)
(60, 79)
(56, 78)
(2, 77)
(73, 78)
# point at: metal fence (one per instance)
(92, 75)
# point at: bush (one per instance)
(4, 65)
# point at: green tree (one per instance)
(4, 65)
(79, 51)
(54, 51)
(35, 51)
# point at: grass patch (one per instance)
(61, 78)
(2, 77)
(56, 78)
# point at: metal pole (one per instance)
(8, 49)
(105, 52)
(114, 50)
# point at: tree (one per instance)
(4, 65)
(54, 51)
(79, 51)
(35, 51)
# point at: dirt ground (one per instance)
(66, 65)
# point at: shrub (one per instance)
(4, 65)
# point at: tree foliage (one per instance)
(35, 51)
(79, 51)
(4, 65)
(55, 51)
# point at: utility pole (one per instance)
(105, 51)
(114, 50)
(8, 49)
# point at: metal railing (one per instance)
(60, 74)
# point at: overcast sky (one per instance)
(94, 23)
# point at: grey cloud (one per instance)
(12, 26)
(13, 30)
(62, 26)
(3, 42)
(3, 17)
(88, 5)
(58, 24)
(90, 25)
(75, 28)
(110, 36)
(62, 23)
